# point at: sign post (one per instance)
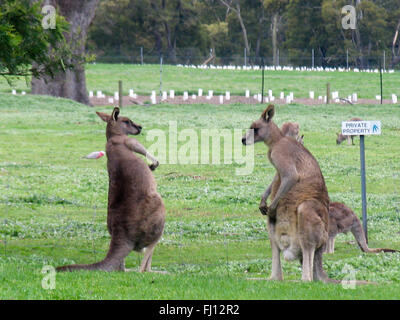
(362, 128)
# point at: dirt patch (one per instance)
(215, 100)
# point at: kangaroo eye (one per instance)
(126, 122)
(255, 130)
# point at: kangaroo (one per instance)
(341, 137)
(341, 220)
(292, 129)
(136, 213)
(298, 213)
(288, 129)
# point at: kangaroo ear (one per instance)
(103, 116)
(268, 113)
(115, 114)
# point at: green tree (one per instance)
(24, 41)
(159, 26)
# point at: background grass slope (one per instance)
(53, 205)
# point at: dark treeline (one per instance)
(283, 32)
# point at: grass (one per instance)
(144, 79)
(53, 205)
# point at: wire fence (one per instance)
(313, 60)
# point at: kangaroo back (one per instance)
(343, 219)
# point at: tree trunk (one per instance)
(245, 38)
(395, 54)
(70, 84)
(275, 39)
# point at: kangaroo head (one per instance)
(263, 129)
(119, 125)
(291, 129)
(340, 138)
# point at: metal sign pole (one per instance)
(362, 128)
(363, 187)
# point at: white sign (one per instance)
(361, 128)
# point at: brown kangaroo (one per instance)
(292, 129)
(341, 220)
(298, 214)
(289, 129)
(136, 213)
(341, 137)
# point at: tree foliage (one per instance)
(294, 27)
(24, 41)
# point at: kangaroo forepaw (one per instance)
(263, 209)
(154, 165)
(268, 211)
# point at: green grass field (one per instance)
(53, 203)
(144, 79)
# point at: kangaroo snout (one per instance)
(244, 140)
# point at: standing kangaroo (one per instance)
(341, 137)
(136, 213)
(298, 214)
(341, 220)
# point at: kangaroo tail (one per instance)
(114, 261)
(359, 235)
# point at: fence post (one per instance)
(262, 83)
(381, 80)
(141, 55)
(328, 92)
(313, 58)
(161, 70)
(120, 95)
(384, 60)
(347, 59)
(245, 57)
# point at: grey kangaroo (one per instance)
(341, 220)
(341, 137)
(298, 213)
(136, 213)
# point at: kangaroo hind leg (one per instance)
(312, 235)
